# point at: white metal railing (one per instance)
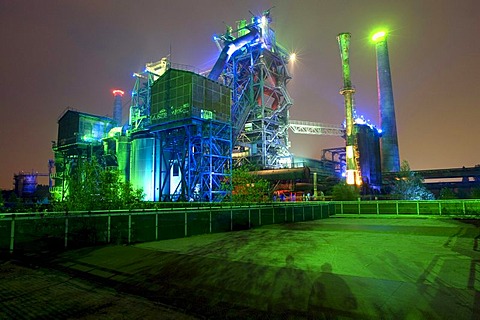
(224, 218)
(458, 207)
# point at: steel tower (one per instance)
(181, 138)
(254, 65)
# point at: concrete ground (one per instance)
(338, 268)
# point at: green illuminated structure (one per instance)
(352, 172)
(80, 138)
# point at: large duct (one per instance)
(228, 50)
(388, 124)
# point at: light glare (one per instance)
(379, 36)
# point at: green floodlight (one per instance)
(379, 36)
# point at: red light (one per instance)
(118, 92)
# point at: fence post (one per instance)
(359, 206)
(231, 219)
(396, 206)
(418, 207)
(156, 226)
(341, 207)
(210, 221)
(439, 207)
(186, 221)
(109, 222)
(313, 212)
(249, 218)
(273, 214)
(129, 227)
(303, 212)
(293, 214)
(285, 207)
(12, 233)
(66, 230)
(259, 216)
(463, 206)
(378, 209)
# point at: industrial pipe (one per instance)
(230, 49)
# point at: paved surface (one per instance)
(359, 268)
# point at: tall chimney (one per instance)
(353, 172)
(388, 124)
(117, 106)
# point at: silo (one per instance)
(142, 164)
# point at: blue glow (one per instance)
(263, 20)
(361, 120)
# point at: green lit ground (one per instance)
(345, 267)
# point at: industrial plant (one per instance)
(187, 130)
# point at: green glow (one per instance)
(206, 114)
(379, 36)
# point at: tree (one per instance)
(447, 193)
(95, 188)
(2, 202)
(409, 186)
(475, 193)
(344, 192)
(246, 186)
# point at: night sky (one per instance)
(59, 54)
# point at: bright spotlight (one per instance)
(379, 36)
(293, 57)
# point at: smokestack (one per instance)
(388, 124)
(353, 173)
(117, 106)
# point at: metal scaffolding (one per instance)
(185, 152)
(194, 161)
(258, 75)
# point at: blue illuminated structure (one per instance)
(182, 148)
(254, 66)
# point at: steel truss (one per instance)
(260, 106)
(198, 153)
(140, 108)
(316, 128)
